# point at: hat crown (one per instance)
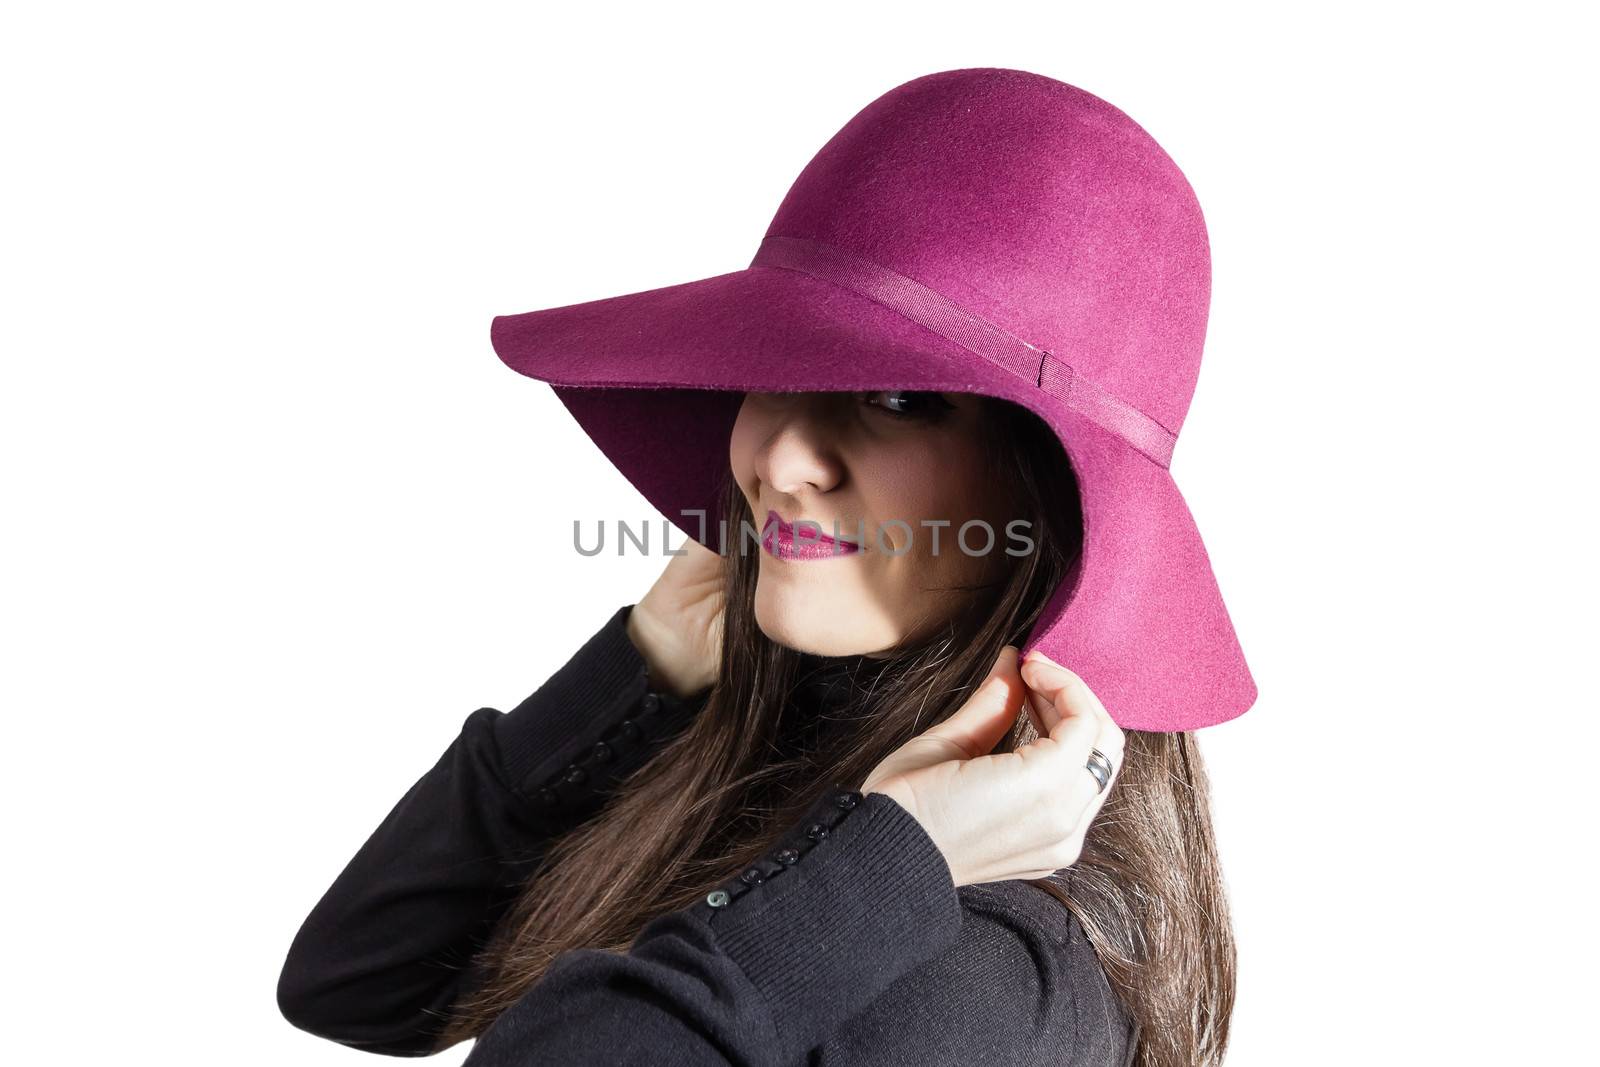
(1033, 204)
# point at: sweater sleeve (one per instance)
(764, 967)
(1023, 985)
(382, 955)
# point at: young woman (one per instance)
(807, 803)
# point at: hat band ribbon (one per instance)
(976, 334)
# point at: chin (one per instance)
(819, 625)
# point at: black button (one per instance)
(602, 752)
(847, 800)
(816, 831)
(627, 730)
(787, 856)
(651, 702)
(547, 796)
(717, 898)
(752, 876)
(576, 775)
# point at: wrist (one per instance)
(656, 647)
(895, 789)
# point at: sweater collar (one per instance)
(825, 682)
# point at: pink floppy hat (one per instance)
(982, 230)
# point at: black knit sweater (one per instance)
(848, 944)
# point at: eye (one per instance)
(910, 404)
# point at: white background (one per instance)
(277, 518)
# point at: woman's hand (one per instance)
(677, 625)
(1010, 815)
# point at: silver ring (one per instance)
(1100, 767)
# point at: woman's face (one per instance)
(865, 460)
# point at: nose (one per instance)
(800, 452)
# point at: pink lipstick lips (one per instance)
(787, 541)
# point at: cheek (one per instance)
(742, 445)
(935, 484)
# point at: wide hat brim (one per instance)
(656, 378)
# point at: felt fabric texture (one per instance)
(1035, 208)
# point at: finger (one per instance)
(1083, 726)
(1088, 787)
(1030, 702)
(990, 712)
(1061, 693)
(1051, 683)
(1040, 705)
(1078, 797)
(1079, 717)
(1035, 708)
(1113, 741)
(1044, 714)
(1087, 695)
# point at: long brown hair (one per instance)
(1147, 887)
